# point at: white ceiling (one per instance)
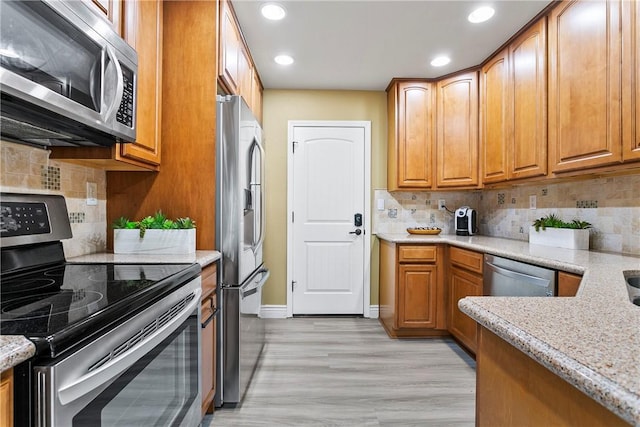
(362, 45)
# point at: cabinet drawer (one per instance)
(469, 260)
(209, 277)
(417, 254)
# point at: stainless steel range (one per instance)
(117, 344)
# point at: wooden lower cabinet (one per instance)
(412, 296)
(463, 284)
(6, 399)
(514, 390)
(208, 337)
(465, 279)
(568, 284)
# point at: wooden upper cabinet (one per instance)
(410, 109)
(229, 50)
(528, 102)
(584, 85)
(631, 82)
(513, 124)
(110, 9)
(457, 131)
(494, 119)
(237, 72)
(143, 31)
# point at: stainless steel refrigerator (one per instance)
(240, 228)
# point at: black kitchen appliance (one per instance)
(466, 221)
(113, 341)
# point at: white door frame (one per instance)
(367, 204)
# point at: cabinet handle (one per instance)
(209, 319)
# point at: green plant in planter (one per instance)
(553, 221)
(158, 221)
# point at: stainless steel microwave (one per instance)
(66, 77)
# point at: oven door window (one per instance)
(157, 391)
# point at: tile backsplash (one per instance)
(27, 169)
(610, 204)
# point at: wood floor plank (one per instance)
(348, 372)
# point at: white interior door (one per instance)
(328, 177)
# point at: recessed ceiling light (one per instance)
(439, 61)
(283, 60)
(481, 14)
(273, 11)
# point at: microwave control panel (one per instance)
(126, 110)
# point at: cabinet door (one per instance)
(584, 85)
(110, 9)
(631, 83)
(229, 49)
(568, 284)
(528, 100)
(143, 31)
(411, 135)
(494, 121)
(463, 284)
(457, 131)
(245, 77)
(417, 296)
(256, 96)
(6, 399)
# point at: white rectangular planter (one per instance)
(560, 237)
(154, 242)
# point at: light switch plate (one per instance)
(532, 202)
(92, 194)
(380, 204)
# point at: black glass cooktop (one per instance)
(57, 307)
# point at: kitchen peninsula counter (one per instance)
(15, 349)
(592, 340)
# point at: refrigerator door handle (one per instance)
(258, 243)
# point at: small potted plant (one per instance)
(551, 230)
(155, 234)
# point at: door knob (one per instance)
(357, 232)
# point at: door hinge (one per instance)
(294, 143)
(293, 284)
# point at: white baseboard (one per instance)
(273, 312)
(374, 311)
(280, 311)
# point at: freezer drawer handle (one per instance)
(265, 275)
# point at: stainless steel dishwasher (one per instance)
(506, 277)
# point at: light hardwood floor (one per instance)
(348, 372)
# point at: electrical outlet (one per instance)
(532, 202)
(441, 204)
(92, 194)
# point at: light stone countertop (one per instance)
(591, 341)
(15, 349)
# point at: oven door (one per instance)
(145, 372)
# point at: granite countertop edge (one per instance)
(15, 349)
(608, 393)
(603, 282)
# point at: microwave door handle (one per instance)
(109, 112)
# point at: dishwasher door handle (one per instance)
(519, 276)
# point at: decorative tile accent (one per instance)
(586, 204)
(501, 198)
(50, 177)
(76, 217)
(393, 213)
(513, 200)
(544, 191)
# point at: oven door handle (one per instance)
(109, 371)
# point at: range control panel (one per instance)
(23, 218)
